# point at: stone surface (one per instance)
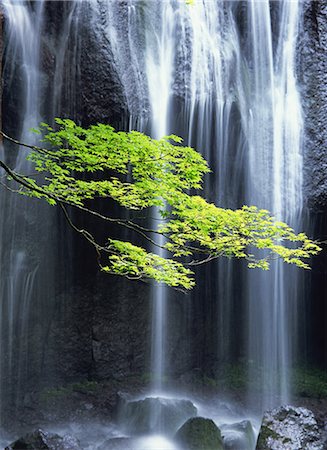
(43, 440)
(290, 428)
(155, 414)
(238, 436)
(91, 88)
(199, 433)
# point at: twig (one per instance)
(33, 147)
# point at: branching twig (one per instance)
(32, 147)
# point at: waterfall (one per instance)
(217, 73)
(274, 182)
(223, 76)
(245, 116)
(159, 61)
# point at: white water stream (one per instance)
(274, 126)
(242, 111)
(159, 62)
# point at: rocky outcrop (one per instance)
(289, 427)
(199, 433)
(102, 96)
(43, 440)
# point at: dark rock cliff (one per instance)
(313, 79)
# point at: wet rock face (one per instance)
(312, 74)
(102, 97)
(43, 440)
(91, 88)
(199, 433)
(289, 427)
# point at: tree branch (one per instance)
(30, 146)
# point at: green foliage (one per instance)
(133, 261)
(140, 173)
(159, 171)
(310, 382)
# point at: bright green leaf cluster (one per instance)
(135, 262)
(234, 233)
(140, 173)
(145, 172)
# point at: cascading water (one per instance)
(249, 89)
(274, 182)
(159, 60)
(241, 109)
(217, 74)
(213, 126)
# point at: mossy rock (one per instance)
(266, 436)
(199, 433)
(291, 428)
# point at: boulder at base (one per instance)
(238, 436)
(43, 440)
(155, 414)
(290, 428)
(199, 433)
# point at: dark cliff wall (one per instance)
(313, 78)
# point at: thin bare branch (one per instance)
(30, 146)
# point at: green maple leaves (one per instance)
(140, 173)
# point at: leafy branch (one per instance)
(139, 173)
